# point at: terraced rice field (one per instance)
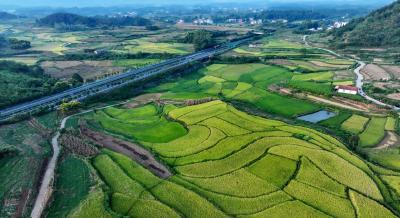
(142, 124)
(355, 124)
(244, 82)
(232, 164)
(374, 132)
(391, 124)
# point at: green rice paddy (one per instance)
(245, 82)
(232, 164)
(374, 132)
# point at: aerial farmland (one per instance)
(189, 111)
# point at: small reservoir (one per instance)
(318, 116)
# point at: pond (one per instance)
(318, 116)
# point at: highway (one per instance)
(117, 81)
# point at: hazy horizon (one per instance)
(107, 3)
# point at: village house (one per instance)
(347, 89)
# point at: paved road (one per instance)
(360, 77)
(360, 84)
(117, 81)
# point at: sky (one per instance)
(95, 3)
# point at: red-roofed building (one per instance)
(347, 89)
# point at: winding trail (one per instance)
(46, 187)
(48, 178)
(360, 77)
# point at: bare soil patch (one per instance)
(134, 151)
(78, 145)
(143, 99)
(323, 64)
(282, 62)
(89, 70)
(393, 70)
(394, 96)
(375, 73)
(391, 139)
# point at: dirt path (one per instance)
(48, 178)
(46, 187)
(391, 139)
(134, 151)
(336, 104)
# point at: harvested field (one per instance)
(89, 70)
(328, 65)
(391, 139)
(394, 96)
(282, 62)
(393, 70)
(375, 73)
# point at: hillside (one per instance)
(68, 19)
(7, 16)
(380, 28)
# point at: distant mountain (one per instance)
(7, 16)
(380, 28)
(69, 19)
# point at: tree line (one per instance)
(68, 20)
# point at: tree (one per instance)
(76, 77)
(19, 44)
(201, 39)
(68, 107)
(354, 141)
(61, 86)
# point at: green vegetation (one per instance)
(134, 63)
(201, 39)
(72, 186)
(376, 29)
(355, 124)
(391, 124)
(374, 133)
(92, 206)
(244, 82)
(336, 122)
(22, 153)
(313, 87)
(147, 124)
(67, 21)
(19, 82)
(144, 45)
(225, 166)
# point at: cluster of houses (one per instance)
(209, 21)
(335, 25)
(203, 21)
(251, 21)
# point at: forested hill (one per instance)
(380, 28)
(7, 16)
(77, 20)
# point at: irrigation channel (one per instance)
(46, 189)
(360, 77)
